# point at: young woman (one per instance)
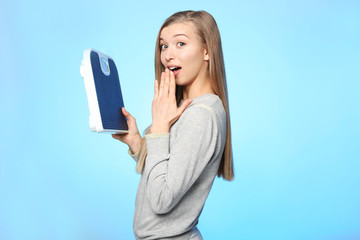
(189, 140)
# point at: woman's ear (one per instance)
(206, 55)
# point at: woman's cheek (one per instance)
(162, 59)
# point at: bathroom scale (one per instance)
(103, 93)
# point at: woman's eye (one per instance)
(163, 46)
(181, 44)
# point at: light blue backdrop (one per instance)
(293, 77)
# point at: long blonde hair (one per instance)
(209, 33)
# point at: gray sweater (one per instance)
(179, 171)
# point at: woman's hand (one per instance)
(164, 108)
(133, 137)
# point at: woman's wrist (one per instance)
(135, 145)
(159, 129)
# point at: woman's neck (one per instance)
(197, 88)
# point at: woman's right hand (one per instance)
(133, 137)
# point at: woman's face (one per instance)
(183, 52)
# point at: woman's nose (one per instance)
(169, 54)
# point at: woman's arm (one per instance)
(170, 173)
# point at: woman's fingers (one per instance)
(131, 121)
(167, 82)
(118, 137)
(132, 138)
(172, 85)
(126, 114)
(156, 89)
(129, 117)
(161, 90)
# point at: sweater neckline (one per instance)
(202, 96)
(206, 95)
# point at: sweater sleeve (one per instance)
(135, 156)
(170, 173)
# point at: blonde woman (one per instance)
(189, 140)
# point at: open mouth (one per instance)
(174, 68)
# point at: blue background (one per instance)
(293, 78)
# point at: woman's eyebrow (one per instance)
(181, 34)
(176, 35)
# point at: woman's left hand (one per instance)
(164, 107)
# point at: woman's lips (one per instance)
(176, 72)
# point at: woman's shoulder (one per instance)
(205, 107)
(210, 101)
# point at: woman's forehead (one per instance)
(178, 29)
